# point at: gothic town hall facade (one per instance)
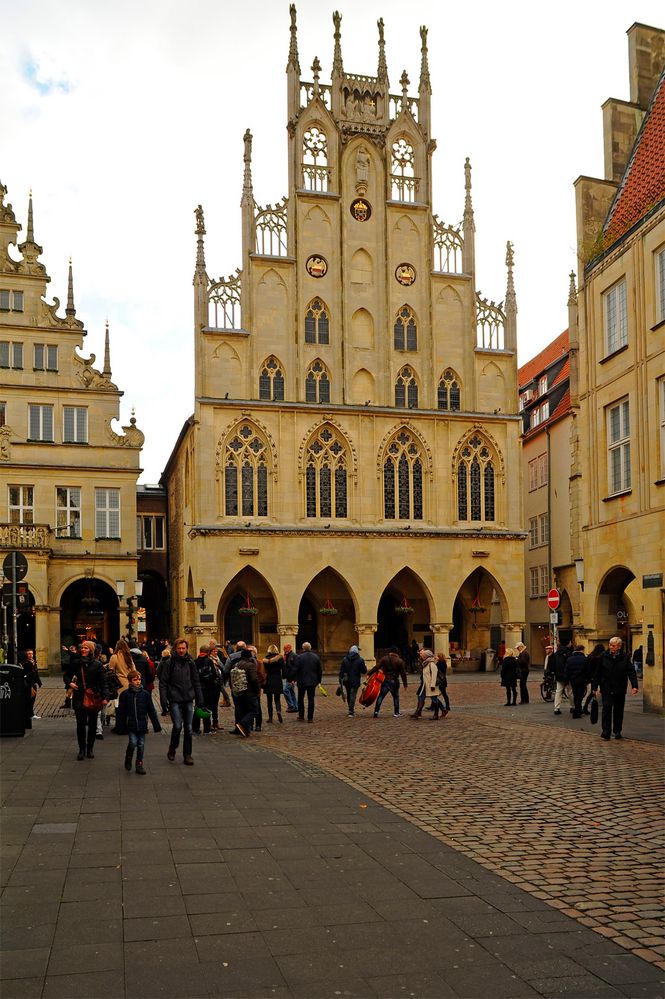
(345, 477)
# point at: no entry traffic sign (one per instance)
(553, 599)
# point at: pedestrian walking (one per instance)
(393, 669)
(135, 707)
(523, 663)
(614, 671)
(429, 685)
(179, 688)
(309, 675)
(87, 682)
(210, 680)
(245, 690)
(558, 662)
(273, 665)
(352, 668)
(290, 677)
(32, 679)
(219, 661)
(442, 666)
(509, 676)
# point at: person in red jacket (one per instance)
(393, 669)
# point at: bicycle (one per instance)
(548, 687)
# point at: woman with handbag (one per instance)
(86, 679)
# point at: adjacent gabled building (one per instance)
(617, 346)
(67, 477)
(345, 476)
(544, 387)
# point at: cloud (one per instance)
(38, 78)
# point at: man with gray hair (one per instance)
(613, 671)
(308, 679)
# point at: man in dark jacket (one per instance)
(308, 677)
(613, 671)
(577, 672)
(179, 688)
(290, 677)
(393, 669)
(523, 664)
(245, 690)
(352, 668)
(558, 662)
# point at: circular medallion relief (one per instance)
(405, 274)
(316, 267)
(361, 209)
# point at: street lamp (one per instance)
(132, 606)
(579, 569)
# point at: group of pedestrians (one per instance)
(515, 668)
(608, 670)
(390, 671)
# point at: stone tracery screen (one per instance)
(315, 173)
(403, 181)
(246, 474)
(403, 479)
(326, 475)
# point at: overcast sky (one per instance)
(122, 117)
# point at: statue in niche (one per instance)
(368, 109)
(350, 106)
(362, 170)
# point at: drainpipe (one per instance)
(549, 533)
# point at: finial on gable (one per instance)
(30, 234)
(70, 310)
(425, 84)
(200, 233)
(511, 298)
(107, 353)
(247, 188)
(337, 67)
(316, 72)
(572, 290)
(404, 83)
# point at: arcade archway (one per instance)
(89, 609)
(247, 611)
(614, 610)
(327, 617)
(403, 615)
(478, 615)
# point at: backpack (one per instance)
(238, 681)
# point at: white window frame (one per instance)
(22, 509)
(544, 526)
(533, 532)
(534, 581)
(79, 417)
(45, 357)
(535, 417)
(660, 284)
(107, 513)
(544, 580)
(661, 418)
(542, 385)
(41, 411)
(615, 317)
(157, 527)
(618, 447)
(68, 512)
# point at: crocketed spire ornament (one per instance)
(382, 71)
(425, 84)
(70, 310)
(572, 290)
(293, 62)
(337, 67)
(200, 233)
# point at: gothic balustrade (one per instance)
(25, 537)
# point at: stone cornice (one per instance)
(405, 533)
(461, 416)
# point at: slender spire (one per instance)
(293, 62)
(337, 67)
(510, 303)
(468, 204)
(382, 71)
(404, 83)
(425, 84)
(107, 353)
(70, 310)
(247, 189)
(30, 234)
(572, 290)
(200, 233)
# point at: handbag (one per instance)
(593, 711)
(91, 699)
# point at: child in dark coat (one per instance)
(135, 706)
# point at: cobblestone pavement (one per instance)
(569, 818)
(541, 801)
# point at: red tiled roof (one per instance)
(563, 374)
(643, 184)
(542, 361)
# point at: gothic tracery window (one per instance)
(315, 172)
(448, 392)
(271, 381)
(326, 464)
(405, 330)
(403, 181)
(475, 481)
(403, 479)
(406, 389)
(317, 322)
(317, 383)
(246, 474)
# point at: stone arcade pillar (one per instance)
(441, 634)
(513, 632)
(287, 635)
(366, 643)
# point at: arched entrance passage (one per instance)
(247, 611)
(565, 630)
(614, 610)
(153, 602)
(403, 615)
(89, 609)
(478, 615)
(327, 617)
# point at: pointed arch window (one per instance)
(315, 173)
(476, 481)
(317, 383)
(403, 181)
(326, 464)
(271, 381)
(448, 393)
(403, 479)
(317, 322)
(405, 330)
(406, 389)
(246, 474)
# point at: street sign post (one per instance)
(553, 599)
